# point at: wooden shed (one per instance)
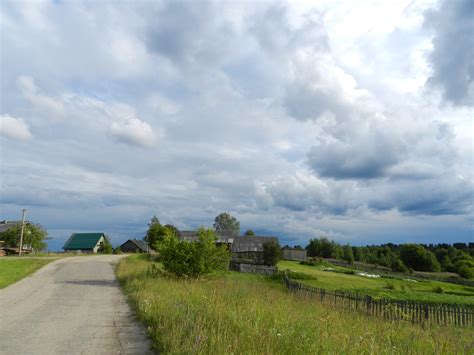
(134, 246)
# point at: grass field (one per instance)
(13, 269)
(383, 287)
(244, 313)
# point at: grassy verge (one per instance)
(399, 289)
(242, 313)
(14, 269)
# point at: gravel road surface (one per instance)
(70, 306)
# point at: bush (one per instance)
(308, 263)
(438, 289)
(271, 253)
(106, 247)
(192, 259)
(389, 286)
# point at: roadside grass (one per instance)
(247, 314)
(15, 268)
(423, 291)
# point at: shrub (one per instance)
(389, 286)
(349, 272)
(308, 263)
(438, 289)
(192, 259)
(271, 253)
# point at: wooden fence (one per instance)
(415, 312)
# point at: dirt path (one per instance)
(70, 306)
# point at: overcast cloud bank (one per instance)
(354, 123)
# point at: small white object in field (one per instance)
(368, 275)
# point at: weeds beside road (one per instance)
(245, 313)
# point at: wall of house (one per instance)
(97, 246)
(248, 257)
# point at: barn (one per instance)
(88, 243)
(134, 246)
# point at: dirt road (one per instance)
(70, 306)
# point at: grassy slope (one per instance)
(243, 313)
(14, 269)
(404, 290)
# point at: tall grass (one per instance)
(241, 313)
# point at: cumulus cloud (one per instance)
(14, 128)
(134, 132)
(452, 58)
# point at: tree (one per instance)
(347, 254)
(105, 247)
(271, 253)
(418, 258)
(321, 247)
(156, 232)
(226, 222)
(34, 235)
(398, 266)
(249, 232)
(192, 259)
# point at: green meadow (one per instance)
(249, 314)
(399, 289)
(13, 269)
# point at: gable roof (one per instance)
(140, 244)
(78, 241)
(251, 243)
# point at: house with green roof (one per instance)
(84, 242)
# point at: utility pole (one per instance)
(22, 230)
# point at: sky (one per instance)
(350, 120)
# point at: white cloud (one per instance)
(133, 131)
(14, 128)
(53, 107)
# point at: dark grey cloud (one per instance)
(188, 32)
(452, 58)
(363, 157)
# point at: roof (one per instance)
(251, 243)
(192, 236)
(140, 244)
(6, 225)
(78, 241)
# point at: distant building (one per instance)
(245, 249)
(6, 225)
(84, 242)
(294, 254)
(249, 249)
(223, 236)
(134, 246)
